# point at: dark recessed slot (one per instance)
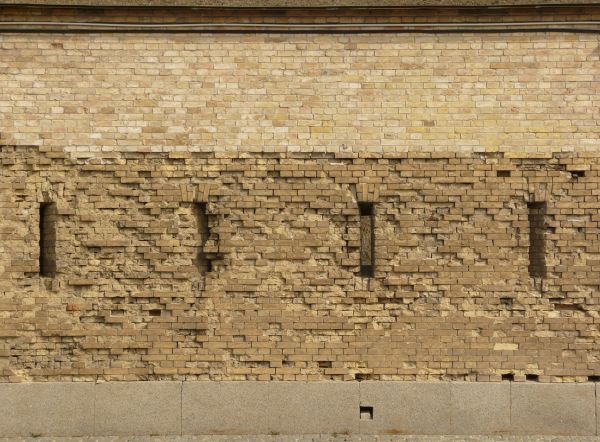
(202, 262)
(532, 377)
(47, 229)
(366, 412)
(575, 174)
(367, 239)
(508, 377)
(503, 173)
(594, 378)
(324, 364)
(537, 243)
(362, 377)
(567, 307)
(154, 312)
(506, 302)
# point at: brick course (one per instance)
(281, 135)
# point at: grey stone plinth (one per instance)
(269, 407)
(406, 407)
(314, 407)
(138, 408)
(480, 408)
(557, 409)
(225, 408)
(47, 409)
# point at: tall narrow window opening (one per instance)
(200, 212)
(537, 242)
(48, 215)
(367, 239)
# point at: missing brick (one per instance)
(362, 377)
(561, 306)
(532, 377)
(324, 364)
(154, 312)
(366, 412)
(576, 174)
(594, 378)
(503, 173)
(509, 377)
(506, 302)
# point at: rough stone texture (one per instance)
(407, 407)
(554, 409)
(480, 408)
(273, 408)
(47, 409)
(141, 408)
(296, 408)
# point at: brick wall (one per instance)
(455, 138)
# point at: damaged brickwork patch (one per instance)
(199, 266)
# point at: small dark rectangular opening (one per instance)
(537, 246)
(362, 377)
(367, 239)
(506, 302)
(324, 364)
(47, 231)
(532, 377)
(503, 173)
(594, 378)
(508, 377)
(200, 212)
(154, 312)
(575, 174)
(366, 412)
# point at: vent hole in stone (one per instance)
(575, 174)
(324, 364)
(155, 312)
(532, 377)
(503, 173)
(594, 378)
(366, 412)
(508, 377)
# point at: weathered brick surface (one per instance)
(281, 136)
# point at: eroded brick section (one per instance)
(451, 298)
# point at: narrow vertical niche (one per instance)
(48, 217)
(537, 242)
(200, 212)
(367, 239)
